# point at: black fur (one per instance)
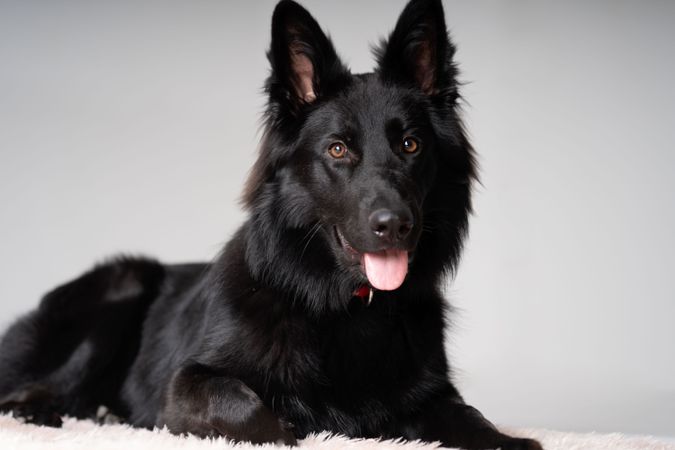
(269, 342)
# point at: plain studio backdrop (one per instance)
(129, 126)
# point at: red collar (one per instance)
(365, 293)
(362, 291)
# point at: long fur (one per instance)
(271, 341)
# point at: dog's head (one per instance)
(365, 165)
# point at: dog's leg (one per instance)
(203, 403)
(67, 357)
(456, 424)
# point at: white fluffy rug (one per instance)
(85, 435)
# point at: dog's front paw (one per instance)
(520, 444)
(262, 427)
(267, 427)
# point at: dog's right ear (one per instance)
(304, 63)
(418, 51)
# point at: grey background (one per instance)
(130, 126)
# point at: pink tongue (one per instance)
(386, 270)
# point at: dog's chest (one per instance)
(362, 370)
(365, 347)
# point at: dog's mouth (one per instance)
(385, 269)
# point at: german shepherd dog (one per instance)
(324, 311)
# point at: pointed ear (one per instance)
(418, 51)
(304, 62)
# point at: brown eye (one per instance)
(337, 150)
(409, 144)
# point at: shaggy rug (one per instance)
(86, 435)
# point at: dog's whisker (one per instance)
(316, 229)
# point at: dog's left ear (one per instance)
(418, 51)
(304, 62)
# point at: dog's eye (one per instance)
(409, 145)
(337, 150)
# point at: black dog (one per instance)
(324, 311)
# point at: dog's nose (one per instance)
(389, 225)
